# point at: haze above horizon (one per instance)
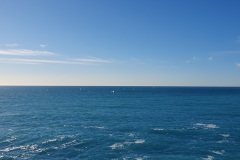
(120, 43)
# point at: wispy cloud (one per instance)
(92, 60)
(210, 58)
(24, 52)
(13, 56)
(35, 61)
(191, 60)
(11, 45)
(59, 61)
(43, 45)
(238, 64)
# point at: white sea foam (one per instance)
(225, 135)
(223, 141)
(56, 148)
(14, 148)
(26, 147)
(209, 158)
(12, 138)
(72, 143)
(122, 145)
(131, 135)
(94, 127)
(8, 149)
(40, 150)
(141, 158)
(158, 129)
(9, 157)
(135, 157)
(117, 145)
(139, 141)
(33, 147)
(219, 152)
(68, 144)
(50, 140)
(207, 126)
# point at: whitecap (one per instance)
(209, 158)
(72, 143)
(158, 129)
(15, 148)
(121, 145)
(219, 152)
(223, 141)
(94, 127)
(40, 150)
(26, 147)
(131, 135)
(136, 157)
(117, 145)
(212, 126)
(139, 141)
(49, 141)
(141, 158)
(225, 135)
(12, 138)
(207, 126)
(33, 147)
(56, 148)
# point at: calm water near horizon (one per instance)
(120, 123)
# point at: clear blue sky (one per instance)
(120, 42)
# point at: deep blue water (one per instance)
(119, 123)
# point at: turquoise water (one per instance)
(119, 123)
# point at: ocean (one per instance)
(120, 123)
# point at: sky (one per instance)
(120, 42)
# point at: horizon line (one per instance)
(109, 86)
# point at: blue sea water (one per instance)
(120, 123)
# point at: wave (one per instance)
(158, 129)
(131, 135)
(50, 141)
(8, 157)
(136, 157)
(12, 138)
(26, 147)
(207, 126)
(219, 152)
(117, 145)
(141, 158)
(209, 158)
(225, 135)
(139, 141)
(223, 141)
(94, 127)
(122, 145)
